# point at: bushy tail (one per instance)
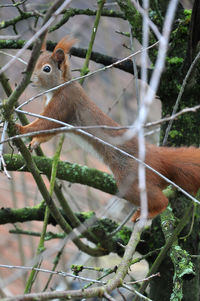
(182, 166)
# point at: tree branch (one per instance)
(73, 173)
(67, 14)
(101, 228)
(97, 57)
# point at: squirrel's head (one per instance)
(53, 69)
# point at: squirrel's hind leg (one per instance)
(157, 203)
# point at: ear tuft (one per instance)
(65, 44)
(59, 56)
(43, 48)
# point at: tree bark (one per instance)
(185, 131)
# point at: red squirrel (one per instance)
(70, 104)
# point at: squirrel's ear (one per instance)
(44, 47)
(58, 56)
(65, 44)
(62, 48)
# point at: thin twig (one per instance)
(172, 117)
(41, 244)
(120, 293)
(131, 289)
(2, 162)
(123, 222)
(116, 101)
(144, 279)
(9, 37)
(84, 69)
(60, 273)
(13, 56)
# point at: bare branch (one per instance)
(131, 289)
(13, 56)
(6, 37)
(145, 279)
(59, 273)
(2, 162)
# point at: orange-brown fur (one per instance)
(70, 104)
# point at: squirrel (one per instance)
(71, 105)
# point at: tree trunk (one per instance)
(185, 131)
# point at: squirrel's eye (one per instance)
(46, 68)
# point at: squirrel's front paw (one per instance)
(19, 128)
(35, 142)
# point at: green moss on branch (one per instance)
(100, 228)
(73, 173)
(14, 21)
(97, 57)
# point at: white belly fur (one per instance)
(48, 98)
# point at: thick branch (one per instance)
(73, 173)
(183, 266)
(101, 228)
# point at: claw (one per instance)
(33, 144)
